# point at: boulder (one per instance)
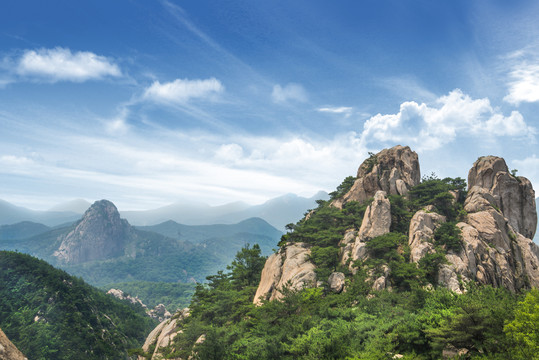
(393, 170)
(336, 282)
(289, 267)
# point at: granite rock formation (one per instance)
(290, 267)
(101, 234)
(393, 170)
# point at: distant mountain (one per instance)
(278, 212)
(22, 230)
(103, 248)
(78, 206)
(12, 214)
(222, 240)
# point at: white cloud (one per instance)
(345, 110)
(290, 91)
(118, 125)
(524, 86)
(182, 90)
(229, 152)
(60, 64)
(428, 127)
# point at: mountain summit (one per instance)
(100, 234)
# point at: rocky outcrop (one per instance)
(495, 251)
(289, 267)
(421, 232)
(8, 351)
(513, 196)
(336, 282)
(99, 235)
(376, 222)
(393, 170)
(159, 312)
(164, 333)
(377, 218)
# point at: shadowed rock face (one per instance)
(393, 170)
(8, 351)
(100, 235)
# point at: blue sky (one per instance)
(146, 103)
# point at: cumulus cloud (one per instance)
(182, 90)
(289, 92)
(430, 127)
(60, 64)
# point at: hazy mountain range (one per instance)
(278, 212)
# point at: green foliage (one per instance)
(448, 235)
(523, 331)
(430, 265)
(49, 314)
(343, 188)
(436, 192)
(386, 246)
(370, 162)
(400, 215)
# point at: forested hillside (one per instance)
(49, 314)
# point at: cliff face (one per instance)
(100, 235)
(8, 351)
(496, 231)
(288, 267)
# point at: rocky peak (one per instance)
(100, 234)
(393, 170)
(513, 196)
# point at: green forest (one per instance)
(49, 314)
(416, 319)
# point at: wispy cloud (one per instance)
(344, 110)
(60, 64)
(291, 91)
(524, 78)
(181, 91)
(431, 127)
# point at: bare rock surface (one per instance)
(288, 267)
(100, 235)
(393, 170)
(336, 282)
(513, 195)
(8, 351)
(422, 226)
(164, 333)
(377, 218)
(376, 222)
